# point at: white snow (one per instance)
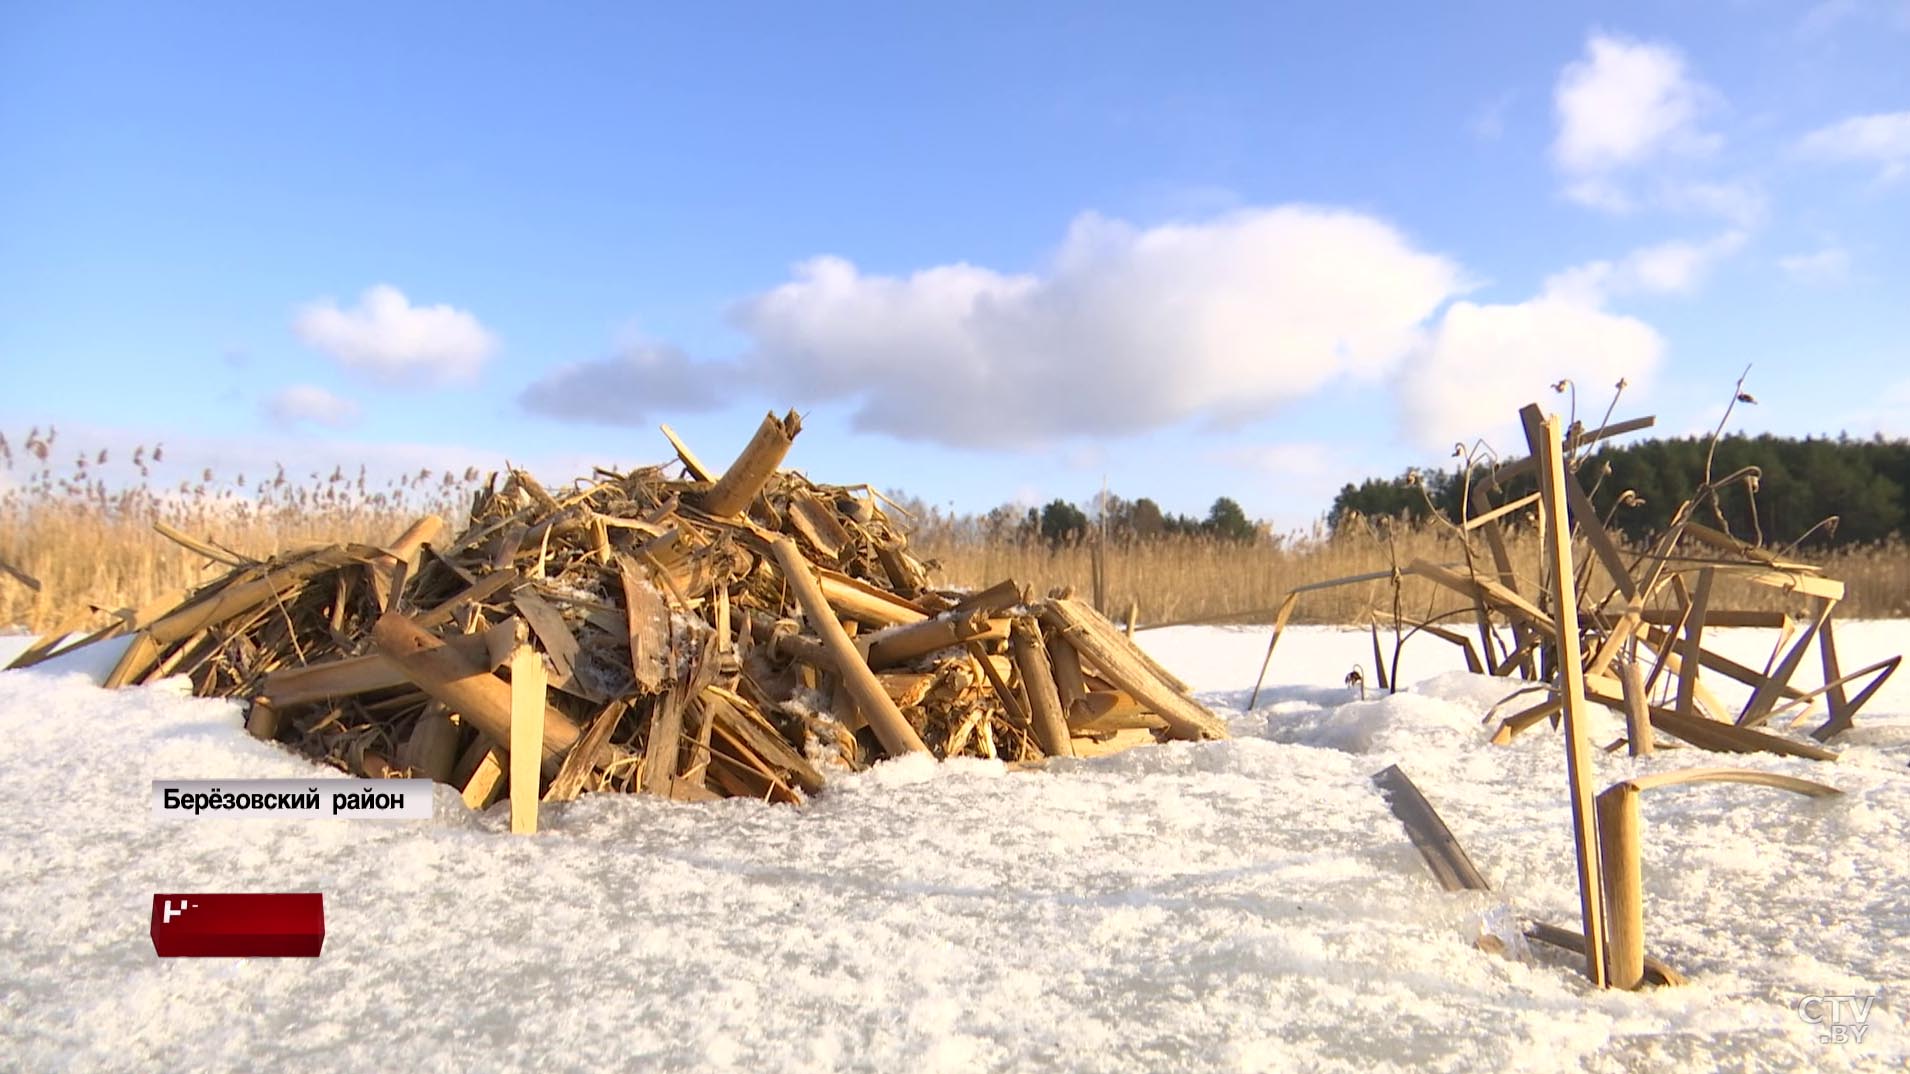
(1240, 905)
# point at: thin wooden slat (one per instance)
(691, 463)
(1691, 657)
(1765, 697)
(1542, 434)
(1586, 516)
(1279, 624)
(527, 731)
(1835, 700)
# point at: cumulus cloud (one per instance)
(1678, 267)
(1486, 361)
(387, 336)
(1125, 329)
(1882, 140)
(630, 386)
(310, 403)
(1828, 265)
(1624, 105)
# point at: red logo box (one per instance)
(239, 926)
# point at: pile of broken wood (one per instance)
(702, 636)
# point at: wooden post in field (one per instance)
(527, 735)
(1543, 434)
(1624, 885)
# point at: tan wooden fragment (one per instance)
(1691, 656)
(526, 736)
(891, 729)
(1543, 433)
(486, 780)
(1048, 718)
(737, 488)
(1116, 658)
(1765, 697)
(466, 687)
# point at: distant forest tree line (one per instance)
(1864, 484)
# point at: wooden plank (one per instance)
(1505, 474)
(1637, 709)
(1542, 434)
(476, 593)
(865, 603)
(1624, 885)
(1501, 511)
(1070, 686)
(1473, 586)
(817, 523)
(1517, 723)
(528, 699)
(951, 629)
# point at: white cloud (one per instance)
(1486, 361)
(310, 403)
(389, 337)
(1678, 267)
(1826, 266)
(1742, 203)
(631, 386)
(1882, 139)
(1126, 329)
(1626, 104)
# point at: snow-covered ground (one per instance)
(1240, 905)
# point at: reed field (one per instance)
(94, 549)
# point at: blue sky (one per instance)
(992, 252)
